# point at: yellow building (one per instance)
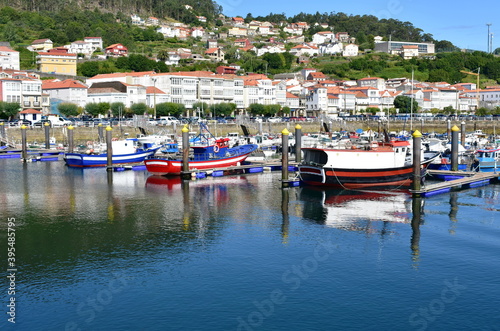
(57, 61)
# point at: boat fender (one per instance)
(444, 161)
(216, 148)
(353, 147)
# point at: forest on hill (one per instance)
(175, 9)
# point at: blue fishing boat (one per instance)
(124, 151)
(487, 160)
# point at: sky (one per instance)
(463, 23)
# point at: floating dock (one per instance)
(466, 179)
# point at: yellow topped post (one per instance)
(284, 156)
(417, 157)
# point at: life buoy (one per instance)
(216, 148)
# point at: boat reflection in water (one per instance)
(355, 210)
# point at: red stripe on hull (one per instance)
(382, 173)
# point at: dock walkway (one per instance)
(469, 179)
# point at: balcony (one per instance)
(26, 104)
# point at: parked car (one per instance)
(168, 120)
(41, 123)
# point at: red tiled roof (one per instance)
(67, 83)
(30, 111)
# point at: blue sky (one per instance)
(462, 23)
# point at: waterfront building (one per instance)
(68, 90)
(110, 92)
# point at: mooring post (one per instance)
(284, 157)
(462, 134)
(24, 153)
(417, 157)
(109, 148)
(2, 129)
(298, 143)
(71, 146)
(47, 135)
(260, 127)
(448, 129)
(454, 148)
(185, 151)
(100, 132)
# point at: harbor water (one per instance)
(98, 250)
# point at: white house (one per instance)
(305, 49)
(9, 58)
(332, 48)
(350, 50)
(323, 37)
(128, 94)
(80, 47)
(95, 41)
(68, 90)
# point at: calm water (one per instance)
(135, 252)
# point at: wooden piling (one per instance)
(47, 135)
(417, 156)
(454, 148)
(462, 134)
(284, 157)
(71, 144)
(109, 148)
(2, 130)
(24, 150)
(298, 143)
(185, 153)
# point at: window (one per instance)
(176, 81)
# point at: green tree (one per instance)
(117, 108)
(88, 69)
(203, 107)
(93, 109)
(403, 103)
(68, 109)
(271, 110)
(222, 109)
(103, 108)
(256, 109)
(140, 108)
(9, 110)
(285, 110)
(482, 111)
(449, 110)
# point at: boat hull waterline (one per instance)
(174, 167)
(100, 160)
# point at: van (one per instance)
(57, 120)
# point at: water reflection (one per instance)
(416, 221)
(355, 210)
